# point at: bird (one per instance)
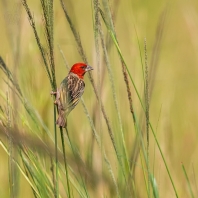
(70, 91)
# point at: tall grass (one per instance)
(105, 151)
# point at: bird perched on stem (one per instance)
(70, 91)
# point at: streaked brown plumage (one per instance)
(70, 91)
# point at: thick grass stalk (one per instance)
(56, 157)
(65, 161)
(147, 114)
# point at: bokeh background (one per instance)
(173, 90)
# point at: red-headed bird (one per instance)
(70, 91)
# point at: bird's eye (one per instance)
(83, 67)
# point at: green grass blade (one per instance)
(20, 169)
(188, 181)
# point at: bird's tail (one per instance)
(61, 121)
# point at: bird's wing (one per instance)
(71, 90)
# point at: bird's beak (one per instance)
(88, 68)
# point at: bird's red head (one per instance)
(80, 69)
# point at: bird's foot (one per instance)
(53, 93)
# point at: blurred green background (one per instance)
(173, 96)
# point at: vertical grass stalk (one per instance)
(10, 160)
(147, 114)
(56, 157)
(65, 161)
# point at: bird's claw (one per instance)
(53, 93)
